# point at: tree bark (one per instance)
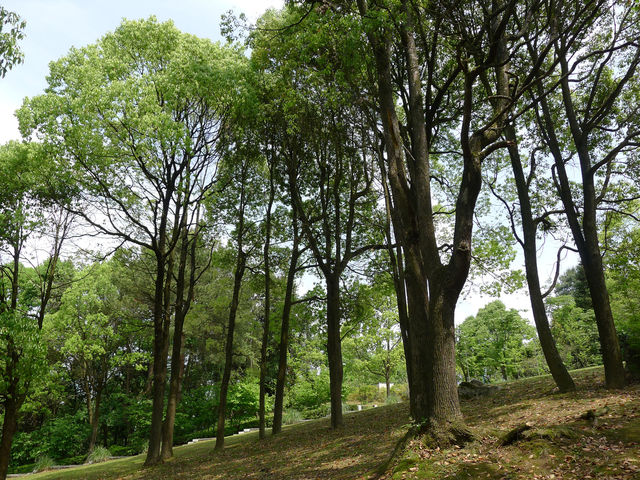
(95, 420)
(556, 366)
(226, 376)
(9, 427)
(334, 350)
(159, 365)
(284, 329)
(267, 306)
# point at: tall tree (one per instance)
(328, 155)
(135, 119)
(433, 285)
(598, 63)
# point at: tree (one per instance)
(87, 331)
(376, 339)
(493, 343)
(596, 98)
(11, 31)
(527, 236)
(329, 161)
(135, 120)
(437, 35)
(575, 332)
(25, 215)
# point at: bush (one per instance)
(321, 411)
(121, 451)
(391, 399)
(43, 463)
(401, 390)
(99, 454)
(291, 416)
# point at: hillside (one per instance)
(560, 444)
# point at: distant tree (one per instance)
(493, 343)
(575, 332)
(26, 215)
(87, 333)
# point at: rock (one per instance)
(475, 388)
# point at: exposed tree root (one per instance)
(431, 436)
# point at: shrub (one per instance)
(43, 463)
(318, 412)
(99, 454)
(291, 416)
(391, 399)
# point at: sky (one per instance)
(54, 26)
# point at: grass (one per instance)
(559, 445)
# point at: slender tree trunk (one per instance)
(181, 308)
(177, 370)
(284, 330)
(334, 349)
(554, 361)
(267, 307)
(159, 367)
(226, 376)
(585, 234)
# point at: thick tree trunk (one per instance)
(9, 427)
(226, 376)
(443, 404)
(334, 349)
(95, 421)
(554, 361)
(12, 405)
(284, 331)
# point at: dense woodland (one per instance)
(199, 237)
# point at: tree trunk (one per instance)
(267, 307)
(284, 331)
(585, 232)
(12, 406)
(177, 370)
(182, 305)
(547, 343)
(95, 421)
(159, 366)
(226, 376)
(334, 349)
(443, 404)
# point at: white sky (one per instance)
(54, 26)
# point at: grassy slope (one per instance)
(563, 445)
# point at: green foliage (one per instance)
(494, 344)
(291, 416)
(575, 332)
(11, 31)
(59, 437)
(310, 391)
(43, 463)
(99, 454)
